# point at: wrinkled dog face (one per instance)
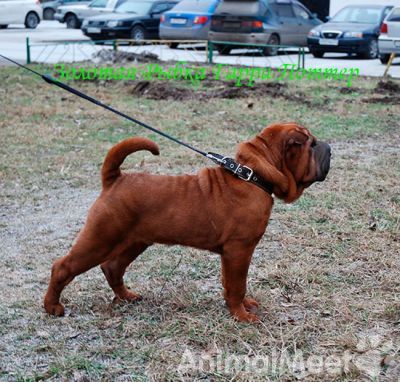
(288, 156)
(307, 158)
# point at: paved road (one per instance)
(13, 44)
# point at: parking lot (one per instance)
(13, 44)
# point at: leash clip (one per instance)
(216, 158)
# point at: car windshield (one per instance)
(138, 7)
(194, 6)
(358, 15)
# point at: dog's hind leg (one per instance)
(84, 255)
(114, 270)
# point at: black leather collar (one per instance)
(242, 172)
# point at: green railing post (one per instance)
(298, 58)
(28, 52)
(115, 45)
(210, 52)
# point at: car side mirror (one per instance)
(327, 18)
(154, 14)
(314, 16)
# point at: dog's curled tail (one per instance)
(117, 154)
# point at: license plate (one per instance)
(328, 41)
(94, 30)
(232, 25)
(178, 21)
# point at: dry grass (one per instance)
(326, 272)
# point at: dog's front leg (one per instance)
(235, 261)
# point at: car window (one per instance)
(300, 12)
(386, 11)
(194, 6)
(161, 7)
(239, 8)
(131, 6)
(283, 10)
(395, 15)
(98, 4)
(357, 15)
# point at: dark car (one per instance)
(274, 22)
(137, 20)
(354, 30)
(50, 7)
(188, 20)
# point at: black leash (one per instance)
(243, 172)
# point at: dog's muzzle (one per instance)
(323, 159)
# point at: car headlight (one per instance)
(313, 33)
(113, 24)
(85, 22)
(353, 34)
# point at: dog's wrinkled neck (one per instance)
(264, 160)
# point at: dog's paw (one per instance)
(250, 304)
(242, 315)
(247, 317)
(55, 309)
(127, 296)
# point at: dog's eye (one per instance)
(313, 144)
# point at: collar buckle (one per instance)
(247, 177)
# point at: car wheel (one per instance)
(317, 53)
(32, 20)
(138, 33)
(372, 51)
(48, 14)
(72, 21)
(3, 26)
(223, 49)
(384, 58)
(272, 50)
(173, 45)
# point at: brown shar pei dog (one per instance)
(212, 210)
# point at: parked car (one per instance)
(188, 20)
(389, 40)
(50, 7)
(354, 29)
(276, 22)
(27, 12)
(73, 15)
(134, 19)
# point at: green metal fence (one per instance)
(209, 47)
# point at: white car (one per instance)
(73, 15)
(27, 12)
(389, 39)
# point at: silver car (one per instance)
(276, 22)
(73, 15)
(389, 40)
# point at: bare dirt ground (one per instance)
(326, 272)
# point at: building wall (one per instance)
(337, 5)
